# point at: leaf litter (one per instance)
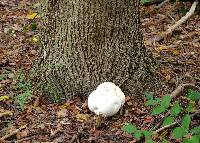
(72, 121)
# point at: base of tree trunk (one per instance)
(85, 43)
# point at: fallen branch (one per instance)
(13, 133)
(178, 23)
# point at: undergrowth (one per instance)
(177, 117)
(25, 90)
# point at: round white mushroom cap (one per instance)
(106, 100)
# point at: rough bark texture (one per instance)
(87, 42)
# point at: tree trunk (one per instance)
(87, 42)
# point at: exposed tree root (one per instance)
(178, 23)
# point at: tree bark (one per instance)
(87, 42)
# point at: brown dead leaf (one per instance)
(127, 98)
(27, 66)
(148, 119)
(22, 134)
(62, 113)
(6, 81)
(129, 103)
(133, 141)
(33, 53)
(85, 105)
(168, 77)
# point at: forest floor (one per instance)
(72, 121)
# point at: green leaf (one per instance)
(186, 121)
(158, 100)
(193, 139)
(148, 96)
(176, 109)
(147, 134)
(157, 110)
(193, 95)
(33, 26)
(129, 128)
(149, 141)
(2, 77)
(179, 132)
(190, 107)
(195, 130)
(151, 102)
(166, 101)
(25, 28)
(168, 121)
(138, 134)
(22, 99)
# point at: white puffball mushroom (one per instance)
(106, 100)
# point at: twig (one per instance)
(165, 127)
(161, 4)
(175, 123)
(161, 121)
(178, 23)
(13, 133)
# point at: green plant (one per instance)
(176, 115)
(25, 89)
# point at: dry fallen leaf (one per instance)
(82, 117)
(5, 97)
(5, 113)
(163, 49)
(35, 39)
(32, 15)
(62, 113)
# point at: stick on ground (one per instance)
(178, 23)
(175, 123)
